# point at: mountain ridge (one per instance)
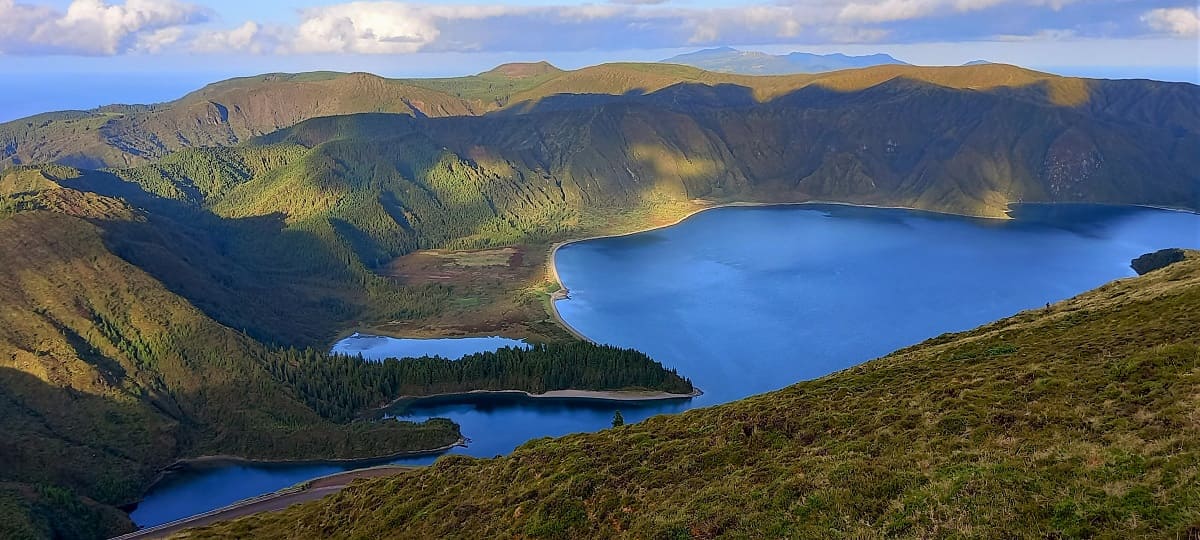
(268, 224)
(233, 111)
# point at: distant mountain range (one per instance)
(730, 60)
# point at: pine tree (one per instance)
(618, 420)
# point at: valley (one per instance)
(746, 299)
(180, 271)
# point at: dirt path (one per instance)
(312, 490)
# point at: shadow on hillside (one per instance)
(252, 274)
(66, 437)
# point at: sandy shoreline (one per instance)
(310, 490)
(202, 462)
(581, 395)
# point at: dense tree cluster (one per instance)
(1159, 259)
(340, 387)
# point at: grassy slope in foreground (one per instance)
(1073, 421)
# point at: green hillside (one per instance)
(120, 354)
(234, 111)
(173, 304)
(312, 220)
(1074, 421)
(107, 377)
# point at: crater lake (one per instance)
(744, 300)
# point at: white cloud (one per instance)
(249, 37)
(365, 27)
(397, 27)
(878, 11)
(1184, 22)
(774, 22)
(901, 10)
(93, 27)
(158, 40)
(105, 27)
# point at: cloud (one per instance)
(105, 27)
(365, 27)
(249, 37)
(875, 11)
(158, 40)
(391, 27)
(1183, 22)
(93, 27)
(397, 28)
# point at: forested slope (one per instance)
(385, 185)
(106, 377)
(341, 387)
(160, 310)
(302, 220)
(108, 373)
(1078, 420)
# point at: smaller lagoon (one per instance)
(382, 347)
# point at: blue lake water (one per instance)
(748, 300)
(380, 347)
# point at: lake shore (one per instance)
(565, 395)
(215, 461)
(310, 490)
(563, 293)
(548, 270)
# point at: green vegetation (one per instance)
(107, 377)
(1077, 421)
(340, 387)
(110, 373)
(1159, 259)
(493, 87)
(157, 309)
(30, 512)
(304, 218)
(233, 112)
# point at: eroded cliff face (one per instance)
(1072, 162)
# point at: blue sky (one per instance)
(1101, 37)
